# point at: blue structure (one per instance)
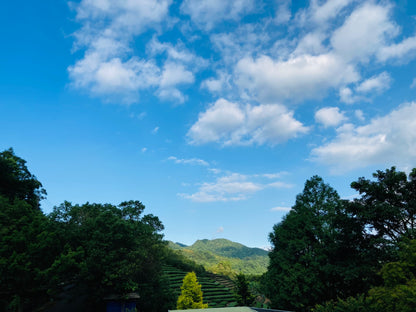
(126, 303)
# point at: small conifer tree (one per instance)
(191, 294)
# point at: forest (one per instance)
(328, 253)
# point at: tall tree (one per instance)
(242, 291)
(316, 249)
(16, 181)
(26, 242)
(191, 294)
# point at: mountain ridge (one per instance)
(225, 257)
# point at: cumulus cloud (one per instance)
(233, 124)
(329, 116)
(387, 140)
(232, 187)
(364, 32)
(299, 78)
(206, 13)
(111, 68)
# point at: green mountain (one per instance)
(225, 257)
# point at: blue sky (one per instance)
(212, 113)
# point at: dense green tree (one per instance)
(16, 181)
(26, 254)
(396, 294)
(387, 205)
(111, 249)
(191, 294)
(26, 242)
(242, 291)
(319, 252)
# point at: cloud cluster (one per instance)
(384, 140)
(259, 68)
(111, 67)
(234, 124)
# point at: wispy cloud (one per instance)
(189, 161)
(233, 187)
(281, 209)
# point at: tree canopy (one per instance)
(16, 181)
(319, 252)
(94, 249)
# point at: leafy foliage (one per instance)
(319, 252)
(16, 182)
(242, 291)
(26, 253)
(397, 294)
(388, 205)
(191, 294)
(26, 244)
(110, 249)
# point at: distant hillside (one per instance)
(222, 256)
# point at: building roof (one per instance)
(231, 309)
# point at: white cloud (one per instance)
(413, 85)
(311, 44)
(240, 43)
(300, 78)
(279, 184)
(232, 124)
(346, 95)
(329, 116)
(328, 10)
(359, 114)
(176, 53)
(281, 209)
(363, 33)
(113, 76)
(228, 188)
(366, 89)
(189, 161)
(377, 83)
(233, 187)
(109, 66)
(388, 140)
(405, 49)
(174, 74)
(207, 13)
(155, 130)
(218, 85)
(283, 13)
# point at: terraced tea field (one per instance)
(215, 293)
